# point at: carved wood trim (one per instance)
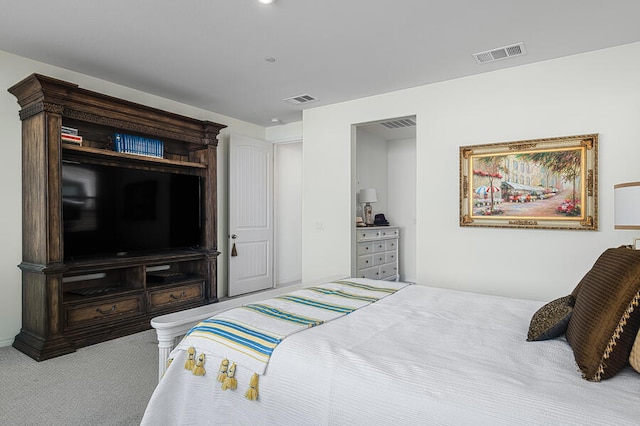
(39, 107)
(127, 125)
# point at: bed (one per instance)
(426, 355)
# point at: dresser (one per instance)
(377, 253)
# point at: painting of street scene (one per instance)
(530, 183)
(539, 184)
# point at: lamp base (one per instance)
(368, 214)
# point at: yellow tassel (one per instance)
(230, 381)
(190, 362)
(199, 370)
(168, 364)
(222, 371)
(252, 392)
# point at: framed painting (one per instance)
(542, 184)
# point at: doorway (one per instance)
(385, 160)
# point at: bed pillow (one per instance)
(634, 358)
(551, 320)
(606, 317)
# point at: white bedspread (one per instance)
(422, 356)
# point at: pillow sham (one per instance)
(606, 317)
(551, 320)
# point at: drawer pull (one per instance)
(105, 312)
(178, 297)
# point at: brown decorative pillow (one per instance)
(606, 317)
(551, 320)
(634, 358)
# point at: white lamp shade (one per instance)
(368, 195)
(627, 205)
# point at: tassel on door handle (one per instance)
(234, 252)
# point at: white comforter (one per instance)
(423, 356)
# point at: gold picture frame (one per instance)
(539, 184)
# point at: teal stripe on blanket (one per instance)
(367, 287)
(344, 294)
(317, 304)
(283, 315)
(257, 341)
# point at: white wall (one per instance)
(595, 92)
(371, 170)
(288, 212)
(13, 69)
(401, 157)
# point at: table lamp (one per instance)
(368, 196)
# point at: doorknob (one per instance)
(234, 252)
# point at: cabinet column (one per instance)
(41, 333)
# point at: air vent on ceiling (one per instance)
(399, 123)
(300, 99)
(500, 53)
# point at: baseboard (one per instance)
(6, 342)
(289, 283)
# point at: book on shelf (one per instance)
(72, 139)
(138, 145)
(66, 130)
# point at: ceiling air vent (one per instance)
(300, 99)
(500, 53)
(399, 123)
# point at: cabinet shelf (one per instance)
(72, 151)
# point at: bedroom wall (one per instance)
(402, 201)
(596, 92)
(287, 212)
(13, 69)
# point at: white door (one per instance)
(250, 215)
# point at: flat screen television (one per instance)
(116, 211)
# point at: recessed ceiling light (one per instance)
(266, 1)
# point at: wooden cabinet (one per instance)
(377, 253)
(69, 303)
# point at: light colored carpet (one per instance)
(105, 384)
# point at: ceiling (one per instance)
(212, 53)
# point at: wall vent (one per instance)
(500, 53)
(300, 99)
(399, 123)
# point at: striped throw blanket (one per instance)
(247, 335)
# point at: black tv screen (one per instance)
(116, 211)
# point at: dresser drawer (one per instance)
(367, 234)
(387, 271)
(364, 248)
(89, 313)
(390, 257)
(379, 259)
(365, 261)
(391, 244)
(379, 246)
(161, 299)
(371, 273)
(389, 233)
